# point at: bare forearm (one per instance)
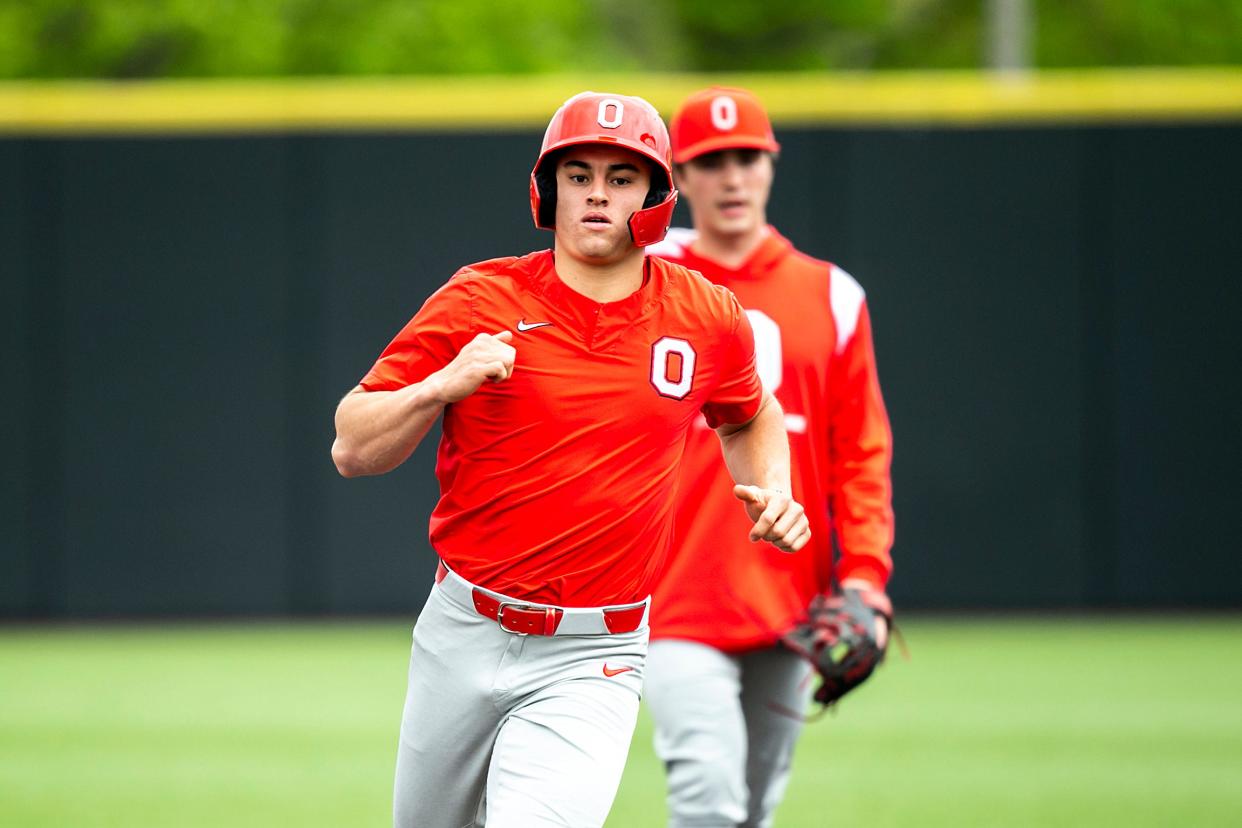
(757, 454)
(376, 431)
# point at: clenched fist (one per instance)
(486, 357)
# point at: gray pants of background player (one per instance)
(726, 726)
(512, 731)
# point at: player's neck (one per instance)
(729, 250)
(601, 282)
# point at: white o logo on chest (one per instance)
(672, 367)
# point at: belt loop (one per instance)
(625, 620)
(549, 621)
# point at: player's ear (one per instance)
(677, 168)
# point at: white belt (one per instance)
(529, 618)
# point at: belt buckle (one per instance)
(500, 615)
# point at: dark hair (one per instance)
(545, 181)
(775, 156)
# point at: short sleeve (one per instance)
(737, 398)
(428, 342)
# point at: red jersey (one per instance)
(558, 485)
(814, 353)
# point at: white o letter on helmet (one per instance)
(663, 348)
(618, 110)
(724, 113)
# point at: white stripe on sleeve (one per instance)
(846, 297)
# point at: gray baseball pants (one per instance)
(726, 726)
(512, 731)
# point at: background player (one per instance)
(725, 696)
(568, 380)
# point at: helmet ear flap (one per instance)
(545, 186)
(661, 186)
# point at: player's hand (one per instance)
(881, 633)
(779, 519)
(487, 357)
(881, 623)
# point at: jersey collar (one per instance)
(767, 255)
(545, 282)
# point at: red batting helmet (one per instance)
(612, 120)
(720, 118)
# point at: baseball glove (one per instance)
(838, 638)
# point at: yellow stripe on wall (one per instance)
(441, 103)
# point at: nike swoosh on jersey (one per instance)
(615, 671)
(524, 326)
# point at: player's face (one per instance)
(598, 188)
(728, 190)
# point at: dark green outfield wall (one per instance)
(1057, 323)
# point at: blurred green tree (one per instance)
(193, 38)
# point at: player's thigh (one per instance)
(776, 686)
(449, 720)
(693, 692)
(559, 757)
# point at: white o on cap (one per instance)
(724, 113)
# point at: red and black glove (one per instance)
(841, 639)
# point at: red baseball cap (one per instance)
(720, 118)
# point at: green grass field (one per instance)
(993, 722)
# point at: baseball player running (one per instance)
(568, 380)
(725, 696)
